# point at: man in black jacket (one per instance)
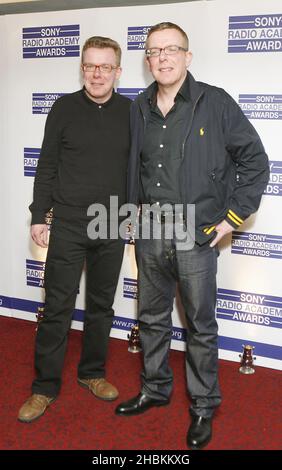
(191, 145)
(83, 160)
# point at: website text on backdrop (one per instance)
(191, 144)
(83, 160)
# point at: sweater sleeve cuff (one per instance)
(38, 217)
(233, 219)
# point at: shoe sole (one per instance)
(134, 413)
(204, 444)
(83, 385)
(23, 420)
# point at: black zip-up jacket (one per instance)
(224, 168)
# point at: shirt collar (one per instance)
(104, 105)
(185, 89)
(184, 92)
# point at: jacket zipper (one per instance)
(137, 185)
(190, 125)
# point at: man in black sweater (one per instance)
(83, 161)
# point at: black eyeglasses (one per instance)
(168, 50)
(103, 68)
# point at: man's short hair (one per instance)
(168, 25)
(101, 43)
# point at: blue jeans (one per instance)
(160, 266)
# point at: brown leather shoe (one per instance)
(34, 407)
(100, 388)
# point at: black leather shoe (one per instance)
(199, 432)
(138, 405)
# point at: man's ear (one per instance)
(189, 57)
(118, 72)
(148, 63)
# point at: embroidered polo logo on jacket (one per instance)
(202, 131)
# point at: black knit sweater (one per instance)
(84, 155)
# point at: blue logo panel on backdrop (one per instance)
(130, 93)
(31, 156)
(261, 106)
(51, 41)
(247, 307)
(257, 244)
(274, 187)
(35, 273)
(255, 33)
(130, 289)
(43, 102)
(136, 37)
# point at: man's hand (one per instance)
(222, 229)
(39, 234)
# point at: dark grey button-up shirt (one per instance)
(161, 153)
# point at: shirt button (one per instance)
(161, 146)
(100, 107)
(158, 184)
(164, 126)
(160, 165)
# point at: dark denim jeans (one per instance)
(161, 264)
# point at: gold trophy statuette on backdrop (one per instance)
(49, 217)
(247, 366)
(134, 340)
(39, 315)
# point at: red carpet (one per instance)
(249, 418)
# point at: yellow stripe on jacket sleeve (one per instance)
(233, 220)
(208, 230)
(235, 216)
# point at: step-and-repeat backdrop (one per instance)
(237, 46)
